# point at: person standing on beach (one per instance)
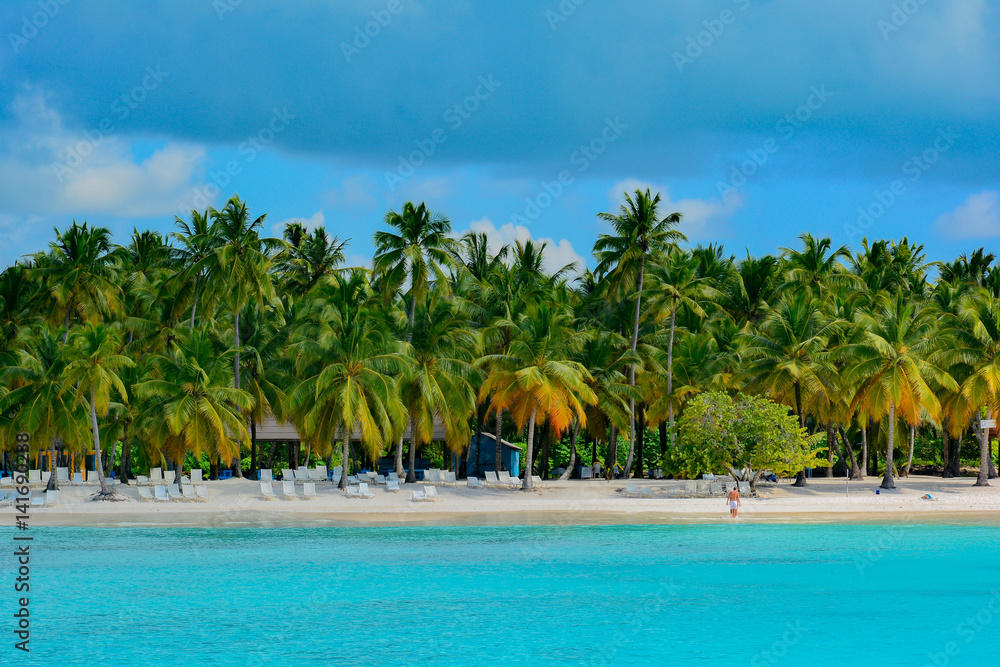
(734, 502)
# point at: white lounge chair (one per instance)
(338, 472)
(160, 493)
(309, 490)
(187, 491)
(745, 489)
(144, 493)
(363, 490)
(449, 478)
(78, 478)
(156, 476)
(6, 481)
(317, 475)
(170, 476)
(202, 492)
(690, 489)
(38, 501)
(174, 491)
(51, 498)
(142, 480)
(267, 491)
(93, 478)
(586, 472)
(475, 483)
(352, 491)
(34, 477)
(7, 497)
(431, 493)
(266, 475)
(394, 477)
(535, 479)
(286, 473)
(288, 489)
(196, 476)
(353, 479)
(302, 474)
(418, 496)
(62, 475)
(392, 485)
(505, 479)
(717, 489)
(491, 478)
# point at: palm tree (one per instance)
(676, 282)
(196, 243)
(36, 396)
(191, 403)
(536, 376)
(309, 256)
(93, 375)
(239, 266)
(892, 366)
(639, 232)
(345, 358)
(77, 275)
(817, 266)
(420, 247)
(438, 381)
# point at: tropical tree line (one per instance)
(176, 348)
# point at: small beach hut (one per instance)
(485, 454)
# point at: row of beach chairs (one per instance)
(288, 491)
(40, 477)
(707, 489)
(157, 477)
(167, 492)
(45, 499)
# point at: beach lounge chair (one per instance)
(586, 472)
(353, 479)
(51, 498)
(717, 489)
(92, 477)
(745, 489)
(536, 479)
(160, 493)
(475, 483)
(144, 493)
(141, 480)
(78, 478)
(187, 491)
(491, 478)
(202, 492)
(6, 481)
(419, 496)
(196, 476)
(286, 473)
(301, 474)
(62, 475)
(317, 474)
(288, 489)
(170, 477)
(690, 489)
(266, 475)
(156, 476)
(34, 477)
(431, 493)
(38, 501)
(7, 497)
(338, 472)
(352, 491)
(378, 479)
(675, 491)
(449, 477)
(392, 485)
(394, 477)
(174, 491)
(516, 481)
(309, 490)
(704, 491)
(363, 491)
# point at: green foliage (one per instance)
(719, 433)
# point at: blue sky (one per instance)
(758, 120)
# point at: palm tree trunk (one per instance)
(499, 442)
(663, 439)
(53, 484)
(399, 456)
(831, 442)
(413, 312)
(69, 309)
(670, 372)
(640, 441)
(909, 458)
(856, 471)
(612, 457)
(194, 307)
(631, 368)
(237, 464)
(253, 449)
(572, 451)
(411, 474)
(527, 483)
(887, 481)
(476, 467)
(346, 460)
(945, 447)
(984, 451)
(105, 489)
(800, 476)
(593, 449)
(864, 445)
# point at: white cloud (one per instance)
(978, 217)
(311, 223)
(355, 191)
(47, 168)
(704, 219)
(557, 253)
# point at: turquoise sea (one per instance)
(600, 595)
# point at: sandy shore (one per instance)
(574, 502)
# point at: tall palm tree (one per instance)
(438, 380)
(536, 377)
(239, 267)
(345, 358)
(419, 248)
(309, 256)
(893, 365)
(638, 232)
(195, 244)
(817, 266)
(93, 374)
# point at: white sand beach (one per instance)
(238, 502)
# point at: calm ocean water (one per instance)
(628, 595)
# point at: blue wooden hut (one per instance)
(485, 454)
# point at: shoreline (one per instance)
(237, 503)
